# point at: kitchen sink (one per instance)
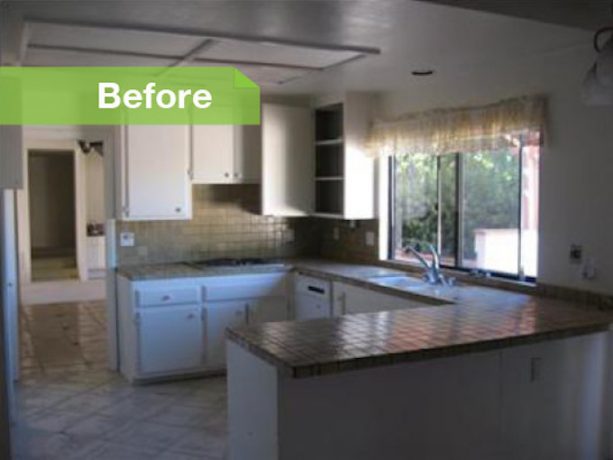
(399, 282)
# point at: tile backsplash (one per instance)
(225, 223)
(347, 240)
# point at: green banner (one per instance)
(127, 95)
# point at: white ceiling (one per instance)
(67, 44)
(411, 35)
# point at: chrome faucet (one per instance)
(432, 274)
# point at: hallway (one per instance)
(59, 338)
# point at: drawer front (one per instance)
(245, 287)
(151, 297)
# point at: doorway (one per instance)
(51, 180)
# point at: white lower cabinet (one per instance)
(218, 317)
(178, 326)
(267, 310)
(169, 339)
(221, 315)
(350, 299)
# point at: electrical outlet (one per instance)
(126, 239)
(588, 269)
(336, 234)
(370, 238)
(290, 235)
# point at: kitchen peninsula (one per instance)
(472, 380)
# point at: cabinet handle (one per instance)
(191, 316)
(226, 174)
(177, 209)
(342, 298)
(247, 313)
(137, 318)
(165, 298)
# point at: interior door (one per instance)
(288, 160)
(169, 339)
(213, 154)
(218, 317)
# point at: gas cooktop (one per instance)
(235, 262)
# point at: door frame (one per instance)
(23, 206)
(65, 138)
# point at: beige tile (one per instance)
(144, 433)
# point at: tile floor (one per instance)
(71, 407)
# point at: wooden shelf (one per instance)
(327, 215)
(323, 143)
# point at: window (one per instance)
(480, 210)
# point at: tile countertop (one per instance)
(323, 346)
(465, 319)
(150, 272)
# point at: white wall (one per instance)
(577, 162)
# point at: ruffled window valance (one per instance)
(442, 131)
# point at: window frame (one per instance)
(459, 219)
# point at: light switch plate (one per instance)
(126, 239)
(291, 235)
(370, 238)
(575, 254)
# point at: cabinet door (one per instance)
(169, 339)
(288, 161)
(352, 299)
(218, 317)
(267, 310)
(552, 398)
(310, 308)
(247, 154)
(155, 171)
(213, 154)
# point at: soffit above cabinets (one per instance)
(267, 61)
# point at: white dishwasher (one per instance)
(313, 297)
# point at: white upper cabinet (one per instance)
(344, 172)
(11, 157)
(287, 160)
(154, 171)
(248, 153)
(224, 154)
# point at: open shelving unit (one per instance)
(329, 160)
(344, 174)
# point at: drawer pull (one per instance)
(166, 298)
